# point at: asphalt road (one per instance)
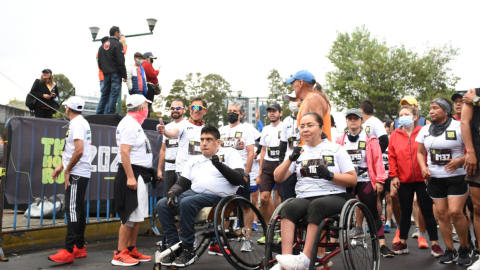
(100, 254)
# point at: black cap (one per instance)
(275, 106)
(456, 95)
(47, 71)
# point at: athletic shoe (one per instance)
(319, 266)
(139, 256)
(449, 256)
(454, 231)
(329, 250)
(123, 258)
(455, 238)
(291, 262)
(261, 240)
(386, 252)
(62, 256)
(437, 251)
(79, 253)
(186, 258)
(357, 232)
(422, 243)
(416, 233)
(476, 265)
(247, 245)
(215, 250)
(396, 240)
(400, 248)
(277, 267)
(394, 225)
(278, 238)
(168, 260)
(464, 256)
(237, 225)
(386, 229)
(255, 226)
(368, 229)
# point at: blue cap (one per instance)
(149, 54)
(303, 75)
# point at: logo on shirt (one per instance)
(279, 134)
(367, 129)
(362, 145)
(330, 160)
(118, 131)
(289, 126)
(189, 128)
(451, 135)
(238, 134)
(88, 131)
(106, 45)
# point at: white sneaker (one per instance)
(277, 267)
(476, 265)
(291, 262)
(416, 233)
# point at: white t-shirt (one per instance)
(130, 132)
(171, 147)
(449, 145)
(308, 184)
(374, 126)
(291, 132)
(206, 179)
(358, 154)
(271, 137)
(232, 136)
(188, 143)
(256, 133)
(78, 129)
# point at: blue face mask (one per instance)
(406, 121)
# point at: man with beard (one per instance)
(168, 153)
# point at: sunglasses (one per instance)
(197, 107)
(176, 108)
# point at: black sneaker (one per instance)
(449, 256)
(386, 252)
(186, 258)
(167, 261)
(464, 256)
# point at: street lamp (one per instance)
(239, 92)
(151, 25)
(275, 93)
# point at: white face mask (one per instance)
(293, 106)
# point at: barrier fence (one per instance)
(33, 148)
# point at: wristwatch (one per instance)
(246, 174)
(475, 101)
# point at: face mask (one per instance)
(151, 60)
(139, 116)
(232, 117)
(293, 106)
(406, 121)
(139, 62)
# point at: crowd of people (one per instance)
(420, 167)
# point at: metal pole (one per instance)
(2, 183)
(119, 101)
(258, 113)
(135, 35)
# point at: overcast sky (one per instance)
(240, 40)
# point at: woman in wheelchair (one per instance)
(324, 171)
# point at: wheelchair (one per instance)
(218, 222)
(358, 252)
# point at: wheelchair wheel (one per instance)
(359, 251)
(272, 246)
(233, 240)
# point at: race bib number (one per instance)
(440, 156)
(194, 148)
(355, 156)
(309, 167)
(171, 143)
(229, 142)
(273, 152)
(385, 156)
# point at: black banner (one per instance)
(35, 150)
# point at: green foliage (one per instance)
(366, 68)
(12, 101)
(64, 86)
(276, 82)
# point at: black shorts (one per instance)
(244, 191)
(170, 179)
(386, 186)
(441, 188)
(267, 181)
(473, 184)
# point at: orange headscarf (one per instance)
(327, 121)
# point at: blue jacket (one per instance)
(132, 81)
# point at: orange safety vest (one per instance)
(327, 121)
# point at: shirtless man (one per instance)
(313, 100)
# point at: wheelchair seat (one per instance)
(304, 222)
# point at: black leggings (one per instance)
(368, 196)
(43, 113)
(406, 193)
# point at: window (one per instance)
(253, 115)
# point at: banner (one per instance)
(35, 150)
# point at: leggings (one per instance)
(406, 193)
(368, 196)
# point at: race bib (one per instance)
(309, 167)
(440, 156)
(273, 152)
(355, 156)
(385, 156)
(229, 142)
(194, 148)
(171, 143)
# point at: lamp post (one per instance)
(239, 93)
(94, 31)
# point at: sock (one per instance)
(389, 223)
(130, 248)
(422, 234)
(306, 261)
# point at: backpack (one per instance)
(30, 102)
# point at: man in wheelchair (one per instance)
(205, 179)
(324, 170)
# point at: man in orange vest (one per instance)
(303, 83)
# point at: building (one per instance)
(91, 103)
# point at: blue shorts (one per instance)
(254, 188)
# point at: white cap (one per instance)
(75, 103)
(292, 95)
(136, 100)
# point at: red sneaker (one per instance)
(123, 258)
(437, 251)
(79, 253)
(400, 248)
(215, 250)
(62, 256)
(139, 256)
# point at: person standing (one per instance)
(136, 78)
(103, 40)
(152, 80)
(111, 61)
(373, 125)
(457, 100)
(76, 170)
(131, 181)
(409, 100)
(46, 90)
(293, 138)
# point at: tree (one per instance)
(366, 68)
(277, 83)
(64, 87)
(13, 101)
